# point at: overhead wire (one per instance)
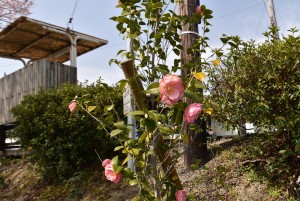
(70, 21)
(261, 15)
(237, 11)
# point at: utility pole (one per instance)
(272, 16)
(196, 147)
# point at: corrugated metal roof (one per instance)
(32, 39)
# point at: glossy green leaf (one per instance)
(115, 132)
(91, 108)
(136, 113)
(193, 96)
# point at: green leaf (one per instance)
(224, 39)
(120, 125)
(91, 108)
(122, 84)
(140, 164)
(180, 106)
(232, 44)
(126, 160)
(193, 96)
(150, 125)
(154, 115)
(133, 182)
(152, 91)
(199, 85)
(118, 148)
(176, 51)
(142, 137)
(120, 51)
(115, 160)
(115, 132)
(118, 169)
(179, 117)
(134, 151)
(136, 113)
(174, 114)
(166, 130)
(153, 85)
(108, 108)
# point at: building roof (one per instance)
(28, 38)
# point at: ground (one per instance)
(225, 177)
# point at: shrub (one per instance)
(259, 83)
(61, 142)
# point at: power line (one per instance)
(265, 4)
(261, 15)
(72, 15)
(237, 11)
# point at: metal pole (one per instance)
(130, 119)
(272, 15)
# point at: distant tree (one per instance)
(11, 9)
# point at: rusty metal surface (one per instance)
(32, 39)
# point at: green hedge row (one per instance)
(62, 142)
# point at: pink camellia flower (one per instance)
(118, 2)
(198, 9)
(171, 89)
(180, 195)
(106, 162)
(72, 105)
(192, 112)
(111, 175)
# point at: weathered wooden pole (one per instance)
(2, 139)
(196, 147)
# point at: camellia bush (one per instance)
(259, 83)
(62, 143)
(158, 92)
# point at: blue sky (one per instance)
(246, 18)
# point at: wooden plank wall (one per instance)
(28, 80)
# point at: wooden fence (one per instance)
(40, 74)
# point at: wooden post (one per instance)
(196, 148)
(2, 139)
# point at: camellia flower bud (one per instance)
(198, 9)
(72, 106)
(180, 195)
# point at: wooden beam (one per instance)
(60, 52)
(31, 44)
